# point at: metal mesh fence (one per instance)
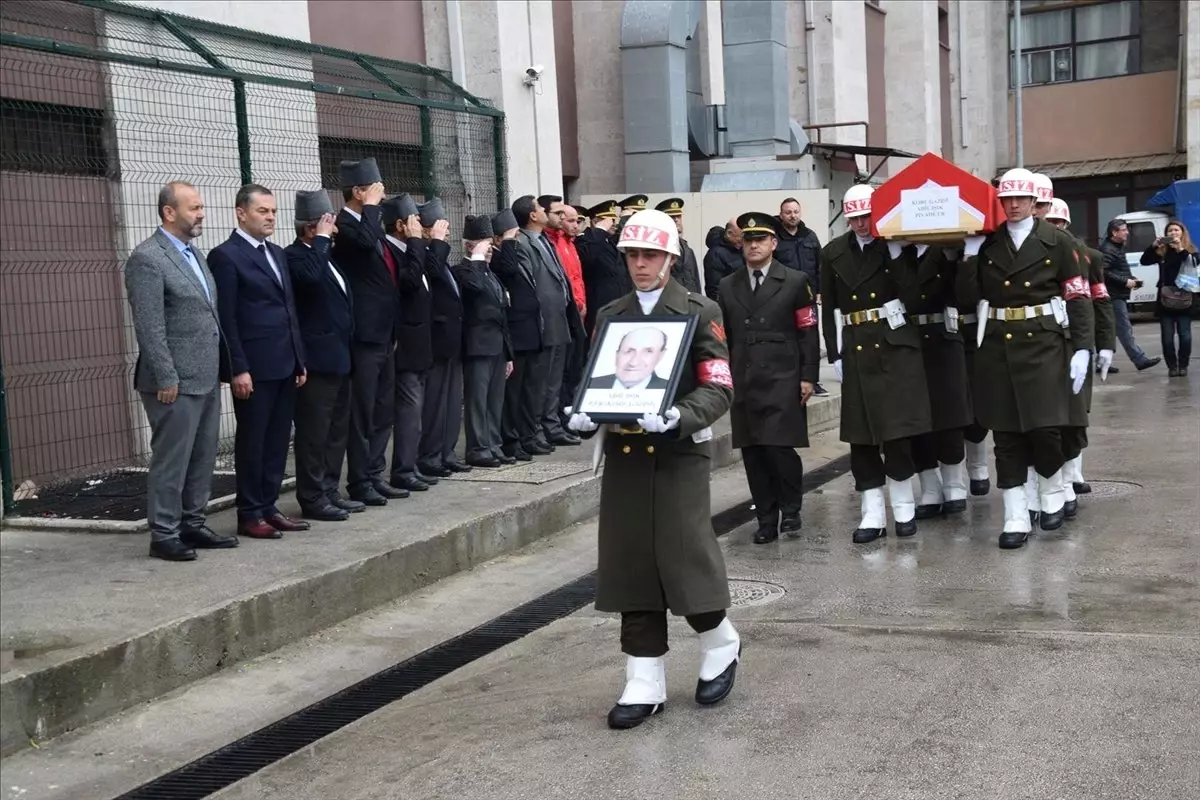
(100, 105)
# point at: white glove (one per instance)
(653, 423)
(837, 369)
(972, 244)
(921, 248)
(894, 248)
(1079, 369)
(1104, 361)
(581, 423)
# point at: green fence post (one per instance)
(243, 129)
(498, 156)
(428, 186)
(6, 471)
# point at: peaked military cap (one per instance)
(310, 206)
(399, 207)
(756, 225)
(635, 201)
(477, 227)
(581, 211)
(431, 212)
(672, 206)
(504, 220)
(605, 210)
(359, 173)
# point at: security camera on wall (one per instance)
(533, 74)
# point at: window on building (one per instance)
(1077, 44)
(51, 139)
(399, 164)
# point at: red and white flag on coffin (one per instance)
(931, 194)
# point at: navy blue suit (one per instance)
(326, 307)
(258, 317)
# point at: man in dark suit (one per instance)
(258, 316)
(638, 355)
(173, 304)
(441, 417)
(326, 314)
(686, 270)
(371, 272)
(487, 352)
(524, 313)
(414, 349)
(605, 276)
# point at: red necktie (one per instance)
(391, 262)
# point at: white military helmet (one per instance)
(650, 230)
(1017, 182)
(857, 201)
(1044, 187)
(1059, 210)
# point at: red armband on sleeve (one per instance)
(1099, 291)
(1076, 289)
(806, 317)
(716, 372)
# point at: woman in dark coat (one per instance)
(1173, 252)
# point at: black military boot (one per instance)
(721, 649)
(767, 532)
(790, 524)
(873, 524)
(1016, 529)
(645, 693)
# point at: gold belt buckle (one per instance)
(626, 430)
(1014, 314)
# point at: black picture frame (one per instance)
(600, 402)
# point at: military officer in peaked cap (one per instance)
(605, 276)
(770, 315)
(657, 548)
(687, 271)
(876, 353)
(1036, 329)
(633, 204)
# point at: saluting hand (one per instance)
(325, 226)
(440, 230)
(482, 248)
(412, 226)
(373, 195)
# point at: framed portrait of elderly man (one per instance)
(634, 367)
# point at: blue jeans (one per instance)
(1176, 325)
(1125, 332)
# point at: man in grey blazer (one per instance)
(173, 301)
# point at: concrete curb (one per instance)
(113, 677)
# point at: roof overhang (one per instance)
(852, 150)
(1110, 166)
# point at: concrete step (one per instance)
(92, 626)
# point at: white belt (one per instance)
(1018, 313)
(968, 319)
(928, 319)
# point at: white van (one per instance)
(1144, 228)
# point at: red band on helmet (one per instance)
(1076, 289)
(716, 372)
(1099, 291)
(642, 234)
(806, 317)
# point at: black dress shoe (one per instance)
(346, 504)
(457, 466)
(523, 455)
(906, 529)
(1051, 522)
(1111, 371)
(207, 539)
(1082, 487)
(1070, 509)
(928, 511)
(538, 449)
(486, 462)
(1149, 362)
(566, 440)
(790, 524)
(1011, 541)
(709, 693)
(981, 487)
(435, 472)
(389, 491)
(820, 391)
(326, 513)
(954, 506)
(865, 535)
(410, 483)
(506, 460)
(172, 550)
(623, 718)
(766, 533)
(426, 479)
(369, 496)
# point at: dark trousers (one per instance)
(322, 428)
(483, 404)
(371, 403)
(577, 353)
(555, 367)
(1074, 440)
(407, 422)
(264, 427)
(975, 433)
(1015, 452)
(1125, 332)
(776, 478)
(441, 415)
(944, 447)
(523, 401)
(644, 633)
(1173, 325)
(871, 465)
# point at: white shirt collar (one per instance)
(254, 242)
(648, 300)
(352, 213)
(1019, 231)
(863, 241)
(403, 246)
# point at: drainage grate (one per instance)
(1106, 489)
(753, 593)
(230, 764)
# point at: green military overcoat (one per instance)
(1022, 369)
(656, 541)
(942, 349)
(773, 346)
(884, 396)
(1105, 327)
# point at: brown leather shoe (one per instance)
(281, 523)
(257, 529)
